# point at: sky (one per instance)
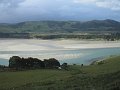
(12, 11)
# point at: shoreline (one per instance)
(63, 44)
(59, 49)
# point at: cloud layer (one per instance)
(10, 3)
(31, 10)
(110, 4)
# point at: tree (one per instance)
(51, 63)
(27, 63)
(14, 62)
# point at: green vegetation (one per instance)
(103, 75)
(95, 29)
(19, 63)
(110, 37)
(95, 36)
(60, 26)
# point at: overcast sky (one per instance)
(31, 10)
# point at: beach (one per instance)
(35, 44)
(71, 51)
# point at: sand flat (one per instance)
(34, 44)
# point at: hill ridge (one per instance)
(60, 26)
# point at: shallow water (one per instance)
(53, 49)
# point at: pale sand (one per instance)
(91, 44)
(33, 44)
(49, 45)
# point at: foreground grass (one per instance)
(105, 76)
(15, 79)
(110, 65)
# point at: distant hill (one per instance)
(60, 26)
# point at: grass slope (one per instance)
(105, 76)
(60, 26)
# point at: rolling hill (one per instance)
(60, 26)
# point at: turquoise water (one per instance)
(79, 56)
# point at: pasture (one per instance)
(99, 76)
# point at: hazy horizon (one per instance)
(55, 20)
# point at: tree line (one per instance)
(108, 37)
(29, 63)
(105, 36)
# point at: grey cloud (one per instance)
(110, 4)
(30, 10)
(114, 5)
(10, 3)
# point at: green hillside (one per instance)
(95, 29)
(60, 26)
(103, 75)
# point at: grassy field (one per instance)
(100, 76)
